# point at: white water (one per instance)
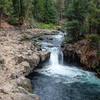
(64, 73)
(56, 81)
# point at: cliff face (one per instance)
(83, 53)
(18, 58)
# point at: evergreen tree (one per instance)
(94, 16)
(40, 10)
(22, 10)
(2, 4)
(35, 8)
(60, 7)
(19, 8)
(66, 6)
(76, 15)
(50, 12)
(45, 11)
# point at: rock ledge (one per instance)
(17, 59)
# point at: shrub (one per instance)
(45, 11)
(76, 16)
(68, 38)
(73, 29)
(26, 37)
(26, 86)
(30, 91)
(94, 39)
(37, 44)
(45, 26)
(1, 61)
(15, 21)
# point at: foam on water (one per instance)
(56, 81)
(68, 74)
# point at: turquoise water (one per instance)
(56, 81)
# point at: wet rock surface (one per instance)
(18, 58)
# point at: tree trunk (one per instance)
(19, 10)
(0, 16)
(60, 15)
(26, 12)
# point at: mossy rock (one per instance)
(26, 86)
(26, 37)
(1, 61)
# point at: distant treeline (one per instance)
(82, 16)
(22, 11)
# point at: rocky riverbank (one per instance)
(83, 53)
(18, 57)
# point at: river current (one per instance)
(57, 81)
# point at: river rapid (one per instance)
(59, 81)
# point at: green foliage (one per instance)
(6, 5)
(60, 8)
(2, 4)
(76, 15)
(68, 38)
(77, 10)
(73, 28)
(94, 16)
(19, 7)
(58, 28)
(51, 15)
(26, 37)
(45, 11)
(38, 10)
(37, 44)
(94, 38)
(60, 5)
(26, 86)
(16, 11)
(25, 10)
(1, 61)
(45, 26)
(30, 91)
(15, 21)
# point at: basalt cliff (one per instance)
(83, 53)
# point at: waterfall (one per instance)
(61, 57)
(56, 81)
(56, 57)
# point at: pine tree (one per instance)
(19, 8)
(76, 15)
(50, 12)
(94, 16)
(60, 7)
(45, 11)
(2, 4)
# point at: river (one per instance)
(57, 81)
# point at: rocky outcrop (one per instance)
(17, 59)
(82, 52)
